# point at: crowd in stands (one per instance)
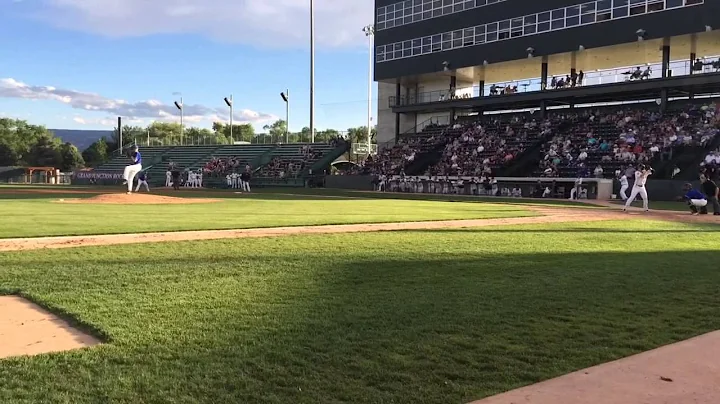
(601, 144)
(574, 79)
(481, 148)
(220, 167)
(291, 166)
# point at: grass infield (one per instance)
(441, 316)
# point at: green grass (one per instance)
(32, 215)
(442, 316)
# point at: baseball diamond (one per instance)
(519, 206)
(380, 297)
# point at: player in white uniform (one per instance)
(133, 169)
(641, 176)
(168, 178)
(623, 187)
(574, 191)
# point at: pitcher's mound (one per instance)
(27, 329)
(146, 199)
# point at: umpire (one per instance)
(710, 189)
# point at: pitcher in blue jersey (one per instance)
(133, 169)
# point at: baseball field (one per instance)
(339, 297)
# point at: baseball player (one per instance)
(695, 200)
(142, 181)
(641, 176)
(245, 181)
(623, 187)
(134, 168)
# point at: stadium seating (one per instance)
(566, 144)
(292, 160)
(616, 139)
(297, 155)
(149, 154)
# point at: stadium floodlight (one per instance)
(312, 71)
(229, 103)
(581, 48)
(286, 97)
(181, 106)
(641, 34)
(530, 52)
(369, 31)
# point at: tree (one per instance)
(96, 154)
(130, 134)
(70, 157)
(8, 154)
(45, 153)
(17, 137)
(359, 134)
(240, 133)
(165, 133)
(276, 130)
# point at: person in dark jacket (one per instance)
(710, 189)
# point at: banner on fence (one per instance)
(98, 175)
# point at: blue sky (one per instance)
(78, 64)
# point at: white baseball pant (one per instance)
(638, 191)
(130, 173)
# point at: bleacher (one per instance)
(246, 153)
(184, 157)
(149, 154)
(291, 155)
(156, 159)
(591, 128)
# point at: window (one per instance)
(655, 6)
(411, 11)
(558, 19)
(637, 7)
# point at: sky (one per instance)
(79, 64)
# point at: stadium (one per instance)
(493, 245)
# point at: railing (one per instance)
(213, 140)
(592, 78)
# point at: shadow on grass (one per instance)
(370, 329)
(70, 318)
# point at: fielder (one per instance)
(133, 169)
(641, 176)
(142, 181)
(623, 187)
(695, 200)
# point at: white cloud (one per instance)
(281, 23)
(134, 111)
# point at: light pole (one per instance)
(312, 71)
(286, 97)
(369, 31)
(229, 102)
(180, 106)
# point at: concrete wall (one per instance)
(385, 116)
